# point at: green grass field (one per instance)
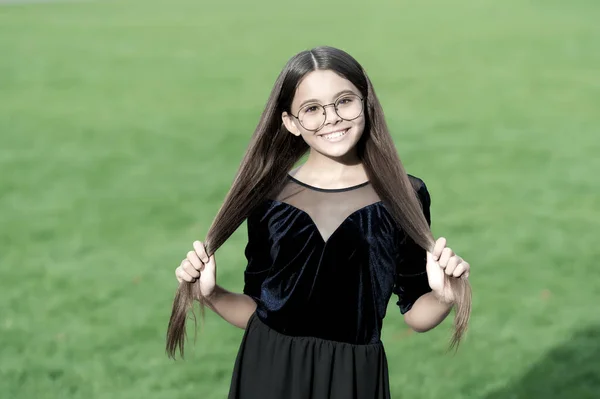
(122, 125)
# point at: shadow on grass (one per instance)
(570, 371)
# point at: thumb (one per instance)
(430, 258)
(432, 266)
(210, 267)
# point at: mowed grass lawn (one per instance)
(123, 123)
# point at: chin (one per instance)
(336, 153)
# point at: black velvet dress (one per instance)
(322, 267)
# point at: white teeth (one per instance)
(335, 135)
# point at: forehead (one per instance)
(321, 86)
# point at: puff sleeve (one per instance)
(256, 253)
(411, 275)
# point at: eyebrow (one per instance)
(312, 100)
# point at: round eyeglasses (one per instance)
(312, 117)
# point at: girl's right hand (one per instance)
(198, 266)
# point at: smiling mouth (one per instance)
(334, 135)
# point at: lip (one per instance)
(335, 131)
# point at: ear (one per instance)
(290, 123)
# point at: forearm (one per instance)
(427, 312)
(234, 308)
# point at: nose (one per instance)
(331, 116)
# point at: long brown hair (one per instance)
(273, 152)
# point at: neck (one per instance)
(327, 172)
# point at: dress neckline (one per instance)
(327, 190)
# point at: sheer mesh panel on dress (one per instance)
(328, 208)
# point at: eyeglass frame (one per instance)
(362, 110)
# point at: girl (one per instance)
(329, 242)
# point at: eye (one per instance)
(311, 108)
(345, 100)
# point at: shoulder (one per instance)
(265, 212)
(421, 189)
(259, 210)
(417, 182)
(423, 195)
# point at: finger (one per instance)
(459, 270)
(462, 270)
(201, 251)
(194, 260)
(447, 253)
(183, 276)
(440, 244)
(189, 269)
(452, 264)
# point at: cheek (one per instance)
(309, 137)
(360, 126)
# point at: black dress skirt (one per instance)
(322, 266)
(271, 365)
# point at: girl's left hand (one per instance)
(443, 261)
